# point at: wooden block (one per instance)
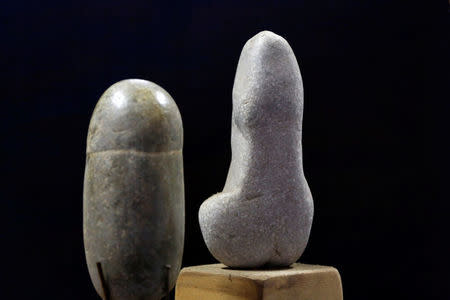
(297, 282)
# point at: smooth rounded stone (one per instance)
(264, 214)
(133, 210)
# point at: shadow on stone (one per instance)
(262, 268)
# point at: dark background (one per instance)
(370, 71)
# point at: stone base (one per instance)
(297, 282)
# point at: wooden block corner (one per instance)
(297, 282)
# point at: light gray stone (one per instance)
(264, 214)
(133, 210)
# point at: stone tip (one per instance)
(266, 45)
(267, 34)
(267, 38)
(135, 114)
(269, 71)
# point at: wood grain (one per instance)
(297, 282)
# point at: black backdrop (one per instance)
(368, 69)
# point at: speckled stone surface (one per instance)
(263, 215)
(133, 209)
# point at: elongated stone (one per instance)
(133, 210)
(263, 215)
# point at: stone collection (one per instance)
(133, 207)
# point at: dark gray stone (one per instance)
(263, 215)
(133, 210)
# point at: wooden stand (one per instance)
(297, 282)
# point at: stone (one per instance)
(264, 214)
(133, 207)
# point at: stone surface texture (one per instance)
(264, 214)
(133, 209)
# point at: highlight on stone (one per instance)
(264, 214)
(133, 207)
